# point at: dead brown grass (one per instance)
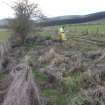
(23, 90)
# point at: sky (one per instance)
(53, 8)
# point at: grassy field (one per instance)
(86, 27)
(4, 34)
(71, 30)
(80, 28)
(77, 30)
(85, 37)
(80, 38)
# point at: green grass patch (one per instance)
(49, 92)
(72, 87)
(4, 34)
(71, 91)
(77, 100)
(64, 93)
(86, 27)
(61, 100)
(72, 84)
(2, 76)
(40, 77)
(31, 45)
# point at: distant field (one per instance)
(85, 36)
(4, 34)
(75, 29)
(71, 30)
(86, 27)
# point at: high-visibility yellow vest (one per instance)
(62, 34)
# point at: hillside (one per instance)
(69, 19)
(75, 19)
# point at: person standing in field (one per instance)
(62, 36)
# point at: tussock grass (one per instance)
(23, 90)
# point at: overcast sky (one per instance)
(52, 8)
